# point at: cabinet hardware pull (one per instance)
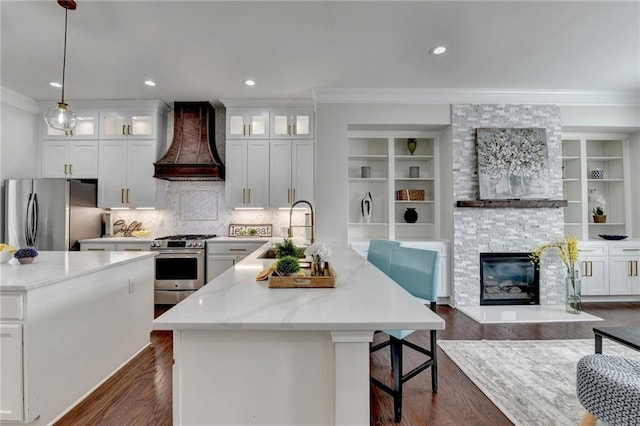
(96, 249)
(128, 190)
(630, 272)
(249, 194)
(122, 195)
(129, 129)
(70, 169)
(590, 268)
(65, 168)
(243, 198)
(250, 130)
(584, 268)
(237, 249)
(71, 132)
(295, 130)
(124, 129)
(244, 130)
(132, 249)
(289, 129)
(288, 195)
(585, 250)
(294, 196)
(635, 262)
(631, 249)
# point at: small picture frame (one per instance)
(250, 230)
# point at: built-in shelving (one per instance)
(387, 162)
(595, 163)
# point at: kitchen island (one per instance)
(68, 322)
(249, 354)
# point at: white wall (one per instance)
(332, 122)
(18, 141)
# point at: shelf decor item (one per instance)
(597, 174)
(411, 145)
(26, 255)
(598, 215)
(613, 237)
(6, 252)
(410, 195)
(366, 205)
(513, 163)
(414, 172)
(411, 215)
(365, 172)
(568, 252)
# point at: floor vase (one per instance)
(573, 296)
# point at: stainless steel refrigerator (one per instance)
(51, 214)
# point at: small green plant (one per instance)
(253, 231)
(288, 265)
(25, 252)
(597, 211)
(288, 248)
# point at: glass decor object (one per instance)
(411, 145)
(60, 117)
(573, 297)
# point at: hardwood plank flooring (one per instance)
(140, 393)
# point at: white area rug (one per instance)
(502, 314)
(533, 382)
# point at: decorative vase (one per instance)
(25, 260)
(600, 218)
(572, 285)
(366, 205)
(410, 215)
(516, 184)
(411, 145)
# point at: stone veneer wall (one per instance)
(482, 230)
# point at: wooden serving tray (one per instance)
(306, 281)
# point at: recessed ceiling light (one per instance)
(438, 50)
(150, 83)
(250, 82)
(55, 84)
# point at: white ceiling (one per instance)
(205, 50)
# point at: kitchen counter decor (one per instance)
(248, 230)
(26, 255)
(304, 279)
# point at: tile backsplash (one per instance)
(200, 208)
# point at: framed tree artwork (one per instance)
(513, 163)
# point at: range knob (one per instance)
(189, 244)
(200, 244)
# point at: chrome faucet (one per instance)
(313, 221)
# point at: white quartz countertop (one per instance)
(51, 267)
(117, 240)
(364, 299)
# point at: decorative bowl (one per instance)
(612, 237)
(141, 233)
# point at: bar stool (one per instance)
(379, 253)
(416, 271)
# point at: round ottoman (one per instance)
(609, 388)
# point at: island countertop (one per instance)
(364, 299)
(51, 267)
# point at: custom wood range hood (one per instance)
(192, 155)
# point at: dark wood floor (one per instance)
(140, 393)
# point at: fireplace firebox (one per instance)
(508, 279)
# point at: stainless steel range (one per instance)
(180, 266)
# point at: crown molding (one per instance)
(15, 99)
(475, 96)
(252, 103)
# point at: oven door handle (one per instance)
(179, 253)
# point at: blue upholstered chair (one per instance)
(379, 253)
(416, 271)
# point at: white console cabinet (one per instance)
(223, 254)
(610, 268)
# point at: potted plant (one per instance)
(598, 215)
(26, 255)
(288, 265)
(288, 248)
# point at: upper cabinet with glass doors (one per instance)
(296, 123)
(247, 123)
(86, 128)
(128, 125)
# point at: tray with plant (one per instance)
(288, 248)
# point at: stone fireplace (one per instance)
(508, 279)
(502, 230)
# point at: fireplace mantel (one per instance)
(495, 204)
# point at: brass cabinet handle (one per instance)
(96, 248)
(124, 129)
(585, 250)
(631, 249)
(70, 169)
(243, 197)
(122, 195)
(288, 129)
(133, 249)
(294, 196)
(249, 195)
(250, 130)
(590, 268)
(66, 168)
(636, 263)
(289, 196)
(244, 130)
(630, 271)
(129, 129)
(584, 268)
(237, 249)
(295, 130)
(128, 191)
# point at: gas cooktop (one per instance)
(187, 237)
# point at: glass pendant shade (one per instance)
(61, 117)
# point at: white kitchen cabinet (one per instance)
(140, 124)
(291, 172)
(11, 368)
(223, 255)
(70, 158)
(624, 264)
(125, 174)
(247, 123)
(288, 123)
(594, 268)
(116, 246)
(86, 127)
(247, 173)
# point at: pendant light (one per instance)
(60, 116)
